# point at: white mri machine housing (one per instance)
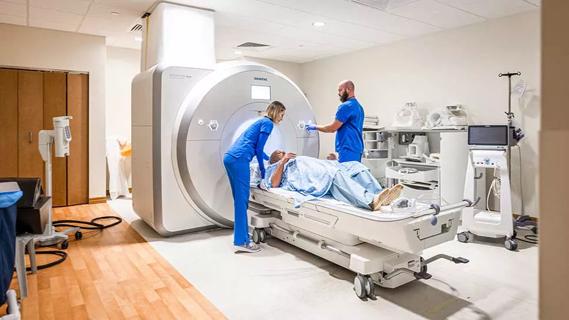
(185, 119)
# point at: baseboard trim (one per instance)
(97, 200)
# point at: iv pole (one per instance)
(510, 116)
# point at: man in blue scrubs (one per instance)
(348, 124)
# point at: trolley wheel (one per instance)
(263, 235)
(256, 236)
(360, 286)
(63, 245)
(464, 236)
(369, 287)
(511, 244)
(78, 235)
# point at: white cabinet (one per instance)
(439, 181)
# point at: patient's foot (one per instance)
(386, 196)
(379, 199)
(250, 247)
(394, 193)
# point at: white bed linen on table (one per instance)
(385, 215)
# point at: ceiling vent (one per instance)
(137, 27)
(248, 45)
(382, 4)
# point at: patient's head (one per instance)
(276, 156)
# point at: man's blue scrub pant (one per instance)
(239, 179)
(345, 156)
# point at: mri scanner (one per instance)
(186, 120)
(186, 113)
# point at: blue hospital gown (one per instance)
(312, 178)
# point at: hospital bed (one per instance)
(381, 247)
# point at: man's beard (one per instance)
(343, 96)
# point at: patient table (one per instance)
(382, 248)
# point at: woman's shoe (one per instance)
(250, 247)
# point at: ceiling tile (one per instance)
(357, 14)
(70, 6)
(53, 25)
(41, 15)
(286, 25)
(139, 6)
(436, 14)
(13, 20)
(491, 8)
(12, 9)
(100, 20)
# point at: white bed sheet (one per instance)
(385, 214)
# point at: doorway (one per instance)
(29, 99)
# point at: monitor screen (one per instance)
(260, 92)
(488, 135)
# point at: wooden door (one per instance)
(77, 162)
(55, 105)
(30, 122)
(8, 123)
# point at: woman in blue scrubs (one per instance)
(236, 161)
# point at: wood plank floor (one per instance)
(112, 274)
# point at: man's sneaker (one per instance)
(250, 247)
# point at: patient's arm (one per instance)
(277, 176)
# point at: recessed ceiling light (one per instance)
(139, 39)
(115, 13)
(318, 24)
(238, 52)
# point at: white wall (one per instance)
(449, 67)
(47, 49)
(122, 65)
(289, 69)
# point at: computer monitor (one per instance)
(489, 136)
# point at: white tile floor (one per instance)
(284, 282)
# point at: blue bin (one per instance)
(8, 212)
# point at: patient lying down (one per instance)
(349, 182)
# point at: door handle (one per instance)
(30, 136)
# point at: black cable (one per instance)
(529, 238)
(88, 225)
(62, 256)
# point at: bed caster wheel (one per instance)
(263, 235)
(360, 286)
(511, 244)
(63, 245)
(364, 287)
(256, 236)
(464, 237)
(78, 235)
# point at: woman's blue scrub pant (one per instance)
(345, 156)
(239, 179)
